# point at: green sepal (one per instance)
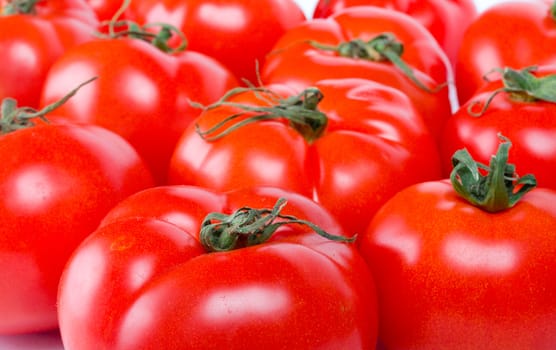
(13, 118)
(17, 7)
(301, 111)
(248, 226)
(501, 188)
(384, 47)
(522, 85)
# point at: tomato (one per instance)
(378, 44)
(346, 144)
(522, 112)
(144, 280)
(142, 93)
(508, 34)
(238, 33)
(31, 41)
(56, 184)
(451, 274)
(445, 20)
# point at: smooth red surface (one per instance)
(56, 184)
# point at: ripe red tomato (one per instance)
(508, 34)
(56, 183)
(238, 33)
(350, 151)
(31, 41)
(143, 279)
(445, 20)
(371, 40)
(141, 93)
(523, 113)
(451, 275)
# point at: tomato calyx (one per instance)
(522, 86)
(300, 110)
(16, 7)
(384, 47)
(248, 226)
(160, 38)
(501, 188)
(14, 118)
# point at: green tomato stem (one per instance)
(522, 86)
(300, 110)
(15, 7)
(13, 118)
(131, 29)
(247, 227)
(384, 47)
(501, 188)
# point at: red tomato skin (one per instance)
(445, 20)
(56, 184)
(183, 206)
(141, 93)
(237, 283)
(186, 206)
(529, 125)
(192, 161)
(361, 159)
(238, 33)
(258, 301)
(31, 43)
(509, 34)
(113, 264)
(463, 278)
(199, 78)
(421, 53)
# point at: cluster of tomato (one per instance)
(196, 174)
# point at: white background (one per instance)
(51, 341)
(309, 5)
